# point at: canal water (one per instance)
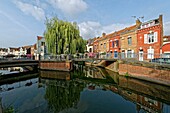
(85, 90)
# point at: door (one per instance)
(141, 55)
(115, 54)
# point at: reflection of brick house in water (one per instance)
(142, 102)
(149, 105)
(150, 38)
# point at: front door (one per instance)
(115, 54)
(141, 55)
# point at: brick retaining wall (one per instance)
(56, 65)
(151, 74)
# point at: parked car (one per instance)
(161, 60)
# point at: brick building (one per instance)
(165, 48)
(150, 39)
(128, 41)
(114, 43)
(96, 45)
(103, 43)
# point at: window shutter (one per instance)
(145, 38)
(155, 36)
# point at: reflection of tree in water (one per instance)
(63, 94)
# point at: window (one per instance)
(112, 44)
(129, 40)
(150, 38)
(129, 54)
(150, 53)
(42, 43)
(104, 46)
(117, 43)
(101, 45)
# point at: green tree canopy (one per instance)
(62, 36)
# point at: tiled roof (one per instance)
(39, 37)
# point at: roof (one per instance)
(3, 49)
(27, 47)
(12, 48)
(128, 29)
(39, 37)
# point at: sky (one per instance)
(21, 21)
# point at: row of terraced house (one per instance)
(143, 41)
(32, 51)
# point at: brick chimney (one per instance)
(138, 22)
(103, 34)
(161, 25)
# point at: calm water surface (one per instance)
(85, 90)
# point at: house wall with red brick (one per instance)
(150, 38)
(166, 48)
(96, 46)
(142, 45)
(114, 44)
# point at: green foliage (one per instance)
(62, 35)
(9, 109)
(127, 74)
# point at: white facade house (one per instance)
(18, 52)
(41, 47)
(3, 52)
(89, 46)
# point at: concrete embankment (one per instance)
(155, 73)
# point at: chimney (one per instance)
(138, 22)
(161, 25)
(103, 34)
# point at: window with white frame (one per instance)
(151, 38)
(150, 53)
(129, 40)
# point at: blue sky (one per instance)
(22, 20)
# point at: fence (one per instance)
(143, 57)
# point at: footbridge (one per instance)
(18, 63)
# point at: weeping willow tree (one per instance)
(62, 36)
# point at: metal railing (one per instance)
(142, 57)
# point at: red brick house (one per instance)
(96, 45)
(114, 43)
(150, 39)
(165, 49)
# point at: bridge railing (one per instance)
(135, 57)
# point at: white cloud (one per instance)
(91, 29)
(29, 9)
(167, 28)
(70, 7)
